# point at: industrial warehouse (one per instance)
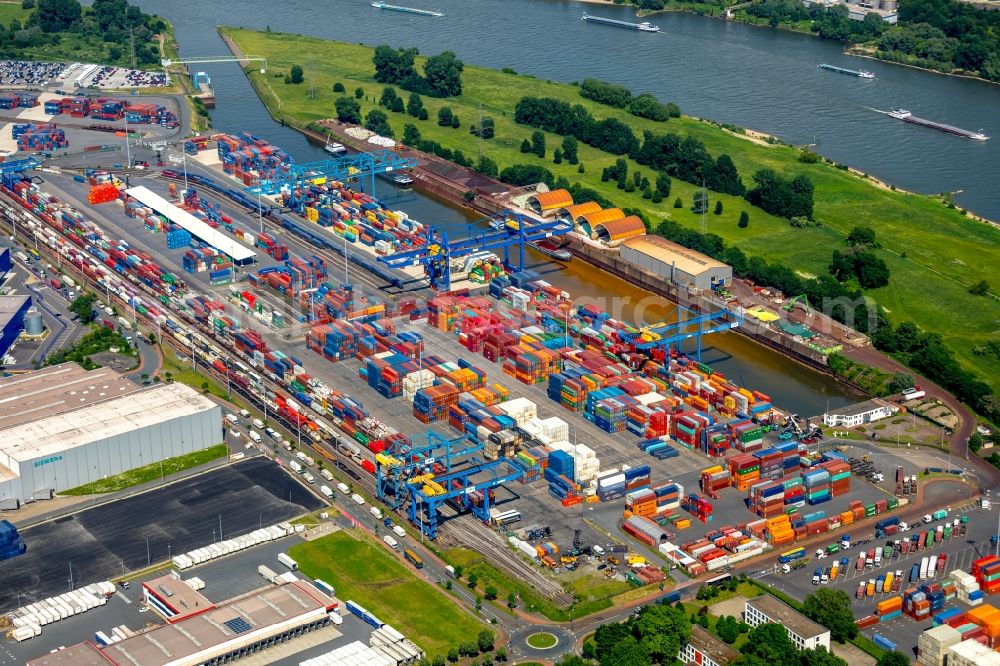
(683, 267)
(215, 635)
(63, 427)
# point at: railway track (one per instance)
(469, 533)
(461, 531)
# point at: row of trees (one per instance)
(643, 105)
(552, 115)
(689, 160)
(442, 73)
(684, 158)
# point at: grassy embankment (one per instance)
(11, 10)
(139, 475)
(366, 573)
(592, 593)
(935, 253)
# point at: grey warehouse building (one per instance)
(680, 265)
(63, 426)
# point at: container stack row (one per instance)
(27, 621)
(229, 546)
(39, 137)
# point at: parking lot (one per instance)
(105, 541)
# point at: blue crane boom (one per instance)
(356, 165)
(507, 229)
(674, 334)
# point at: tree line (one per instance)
(552, 115)
(442, 73)
(644, 105)
(684, 158)
(105, 24)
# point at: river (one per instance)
(549, 40)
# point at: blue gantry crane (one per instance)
(357, 165)
(667, 335)
(506, 230)
(428, 494)
(16, 166)
(395, 466)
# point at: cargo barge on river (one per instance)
(860, 73)
(907, 117)
(641, 27)
(407, 10)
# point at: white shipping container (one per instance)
(358, 499)
(400, 532)
(342, 487)
(375, 511)
(326, 491)
(287, 561)
(326, 474)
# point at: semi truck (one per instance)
(288, 562)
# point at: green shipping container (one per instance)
(892, 503)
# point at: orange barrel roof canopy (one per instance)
(588, 221)
(576, 210)
(546, 201)
(616, 231)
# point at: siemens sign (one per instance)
(46, 461)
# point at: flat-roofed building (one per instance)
(174, 599)
(63, 426)
(681, 265)
(804, 633)
(221, 634)
(859, 414)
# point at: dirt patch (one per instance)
(734, 607)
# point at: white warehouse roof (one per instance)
(64, 407)
(186, 220)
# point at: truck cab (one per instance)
(817, 576)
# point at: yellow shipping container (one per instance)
(712, 470)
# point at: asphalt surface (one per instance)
(102, 542)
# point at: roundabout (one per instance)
(542, 641)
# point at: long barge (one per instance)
(907, 117)
(407, 10)
(860, 73)
(645, 26)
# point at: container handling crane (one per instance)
(428, 494)
(397, 465)
(17, 166)
(507, 229)
(663, 336)
(357, 165)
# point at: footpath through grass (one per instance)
(364, 572)
(139, 475)
(935, 253)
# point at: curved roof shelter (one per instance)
(619, 230)
(589, 221)
(576, 210)
(543, 202)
